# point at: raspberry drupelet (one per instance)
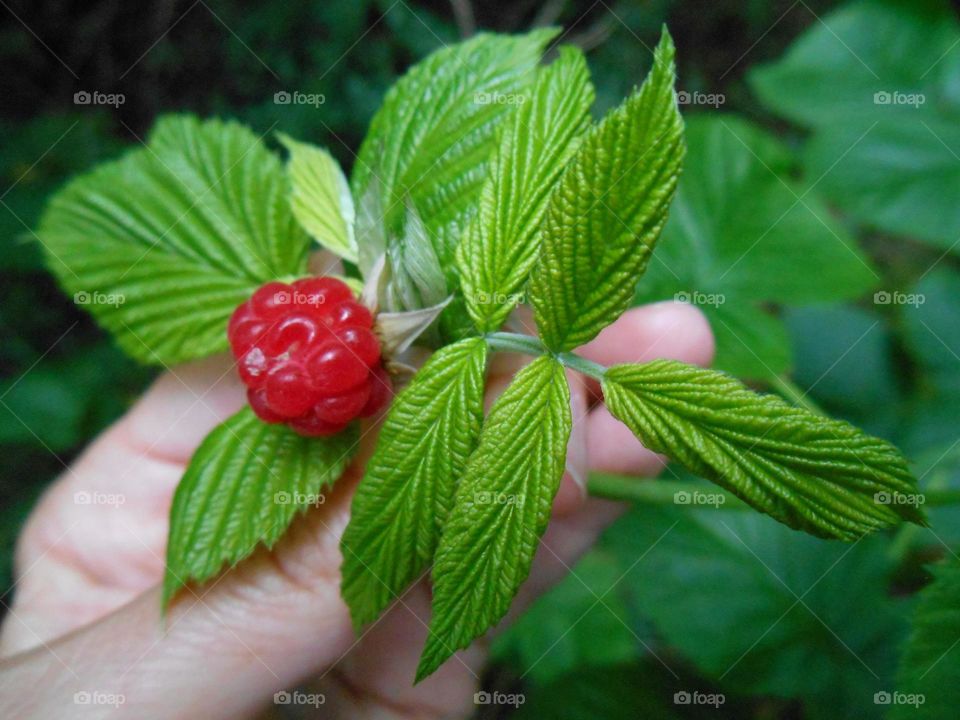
(308, 355)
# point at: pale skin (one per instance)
(85, 615)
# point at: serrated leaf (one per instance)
(501, 509)
(930, 666)
(607, 211)
(432, 138)
(164, 243)
(812, 473)
(244, 485)
(536, 142)
(407, 491)
(320, 197)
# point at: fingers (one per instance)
(664, 330)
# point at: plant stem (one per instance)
(514, 342)
(655, 492)
(786, 387)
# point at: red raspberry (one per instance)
(308, 356)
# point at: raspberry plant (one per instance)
(460, 206)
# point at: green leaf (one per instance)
(812, 473)
(931, 665)
(762, 609)
(500, 510)
(163, 244)
(320, 197)
(244, 485)
(433, 135)
(407, 491)
(605, 215)
(537, 140)
(877, 82)
(743, 234)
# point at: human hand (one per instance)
(86, 616)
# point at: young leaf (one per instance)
(501, 509)
(406, 494)
(930, 666)
(431, 139)
(320, 197)
(244, 485)
(537, 140)
(606, 213)
(164, 243)
(812, 473)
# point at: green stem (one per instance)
(786, 387)
(514, 342)
(657, 492)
